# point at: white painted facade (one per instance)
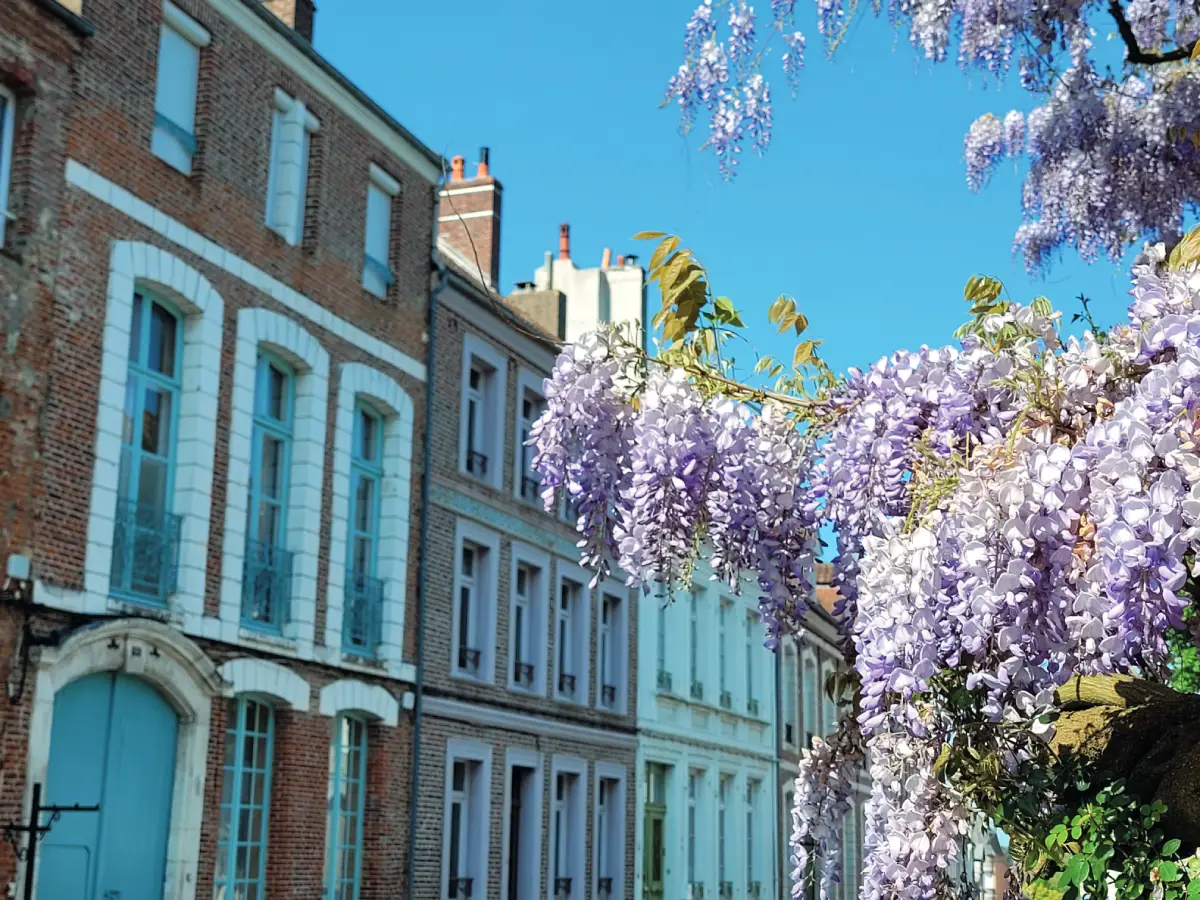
(616, 294)
(706, 712)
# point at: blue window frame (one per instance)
(245, 801)
(347, 782)
(267, 585)
(146, 534)
(363, 624)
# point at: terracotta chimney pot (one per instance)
(456, 168)
(606, 260)
(564, 241)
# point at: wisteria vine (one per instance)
(1010, 512)
(1113, 157)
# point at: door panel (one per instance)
(113, 742)
(656, 849)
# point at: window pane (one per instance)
(163, 327)
(156, 422)
(456, 853)
(364, 504)
(277, 393)
(135, 323)
(368, 437)
(268, 523)
(271, 466)
(152, 484)
(178, 66)
(361, 560)
(468, 561)
(379, 210)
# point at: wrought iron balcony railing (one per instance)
(523, 674)
(696, 890)
(604, 887)
(608, 695)
(789, 733)
(267, 586)
(664, 680)
(697, 690)
(754, 890)
(459, 887)
(562, 888)
(468, 659)
(726, 700)
(477, 463)
(726, 890)
(566, 684)
(362, 625)
(752, 706)
(145, 560)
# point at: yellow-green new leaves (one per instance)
(1187, 250)
(783, 313)
(683, 283)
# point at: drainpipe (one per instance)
(423, 558)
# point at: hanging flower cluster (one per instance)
(1009, 512)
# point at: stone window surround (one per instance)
(526, 381)
(133, 265)
(620, 634)
(577, 824)
(481, 791)
(349, 695)
(539, 615)
(477, 348)
(283, 336)
(530, 759)
(610, 771)
(357, 381)
(485, 600)
(581, 619)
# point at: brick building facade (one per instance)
(214, 281)
(527, 740)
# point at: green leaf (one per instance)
(649, 235)
(1187, 250)
(675, 327)
(665, 248)
(777, 308)
(1168, 871)
(1041, 306)
(1077, 868)
(1171, 847)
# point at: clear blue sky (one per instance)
(860, 208)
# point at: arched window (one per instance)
(361, 631)
(267, 585)
(146, 534)
(245, 800)
(790, 690)
(347, 781)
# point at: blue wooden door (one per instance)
(112, 743)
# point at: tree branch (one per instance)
(1136, 54)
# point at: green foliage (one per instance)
(1184, 661)
(1111, 845)
(1187, 251)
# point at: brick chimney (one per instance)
(296, 14)
(469, 217)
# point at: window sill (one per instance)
(126, 606)
(469, 677)
(264, 637)
(524, 691)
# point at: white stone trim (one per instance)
(475, 214)
(480, 800)
(526, 723)
(187, 27)
(176, 232)
(383, 180)
(495, 402)
(540, 612)
(352, 695)
(581, 624)
(485, 602)
(263, 328)
(250, 675)
(577, 830)
(530, 759)
(133, 265)
(526, 381)
(474, 189)
(355, 381)
(610, 771)
(188, 680)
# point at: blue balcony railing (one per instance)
(362, 627)
(145, 562)
(266, 586)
